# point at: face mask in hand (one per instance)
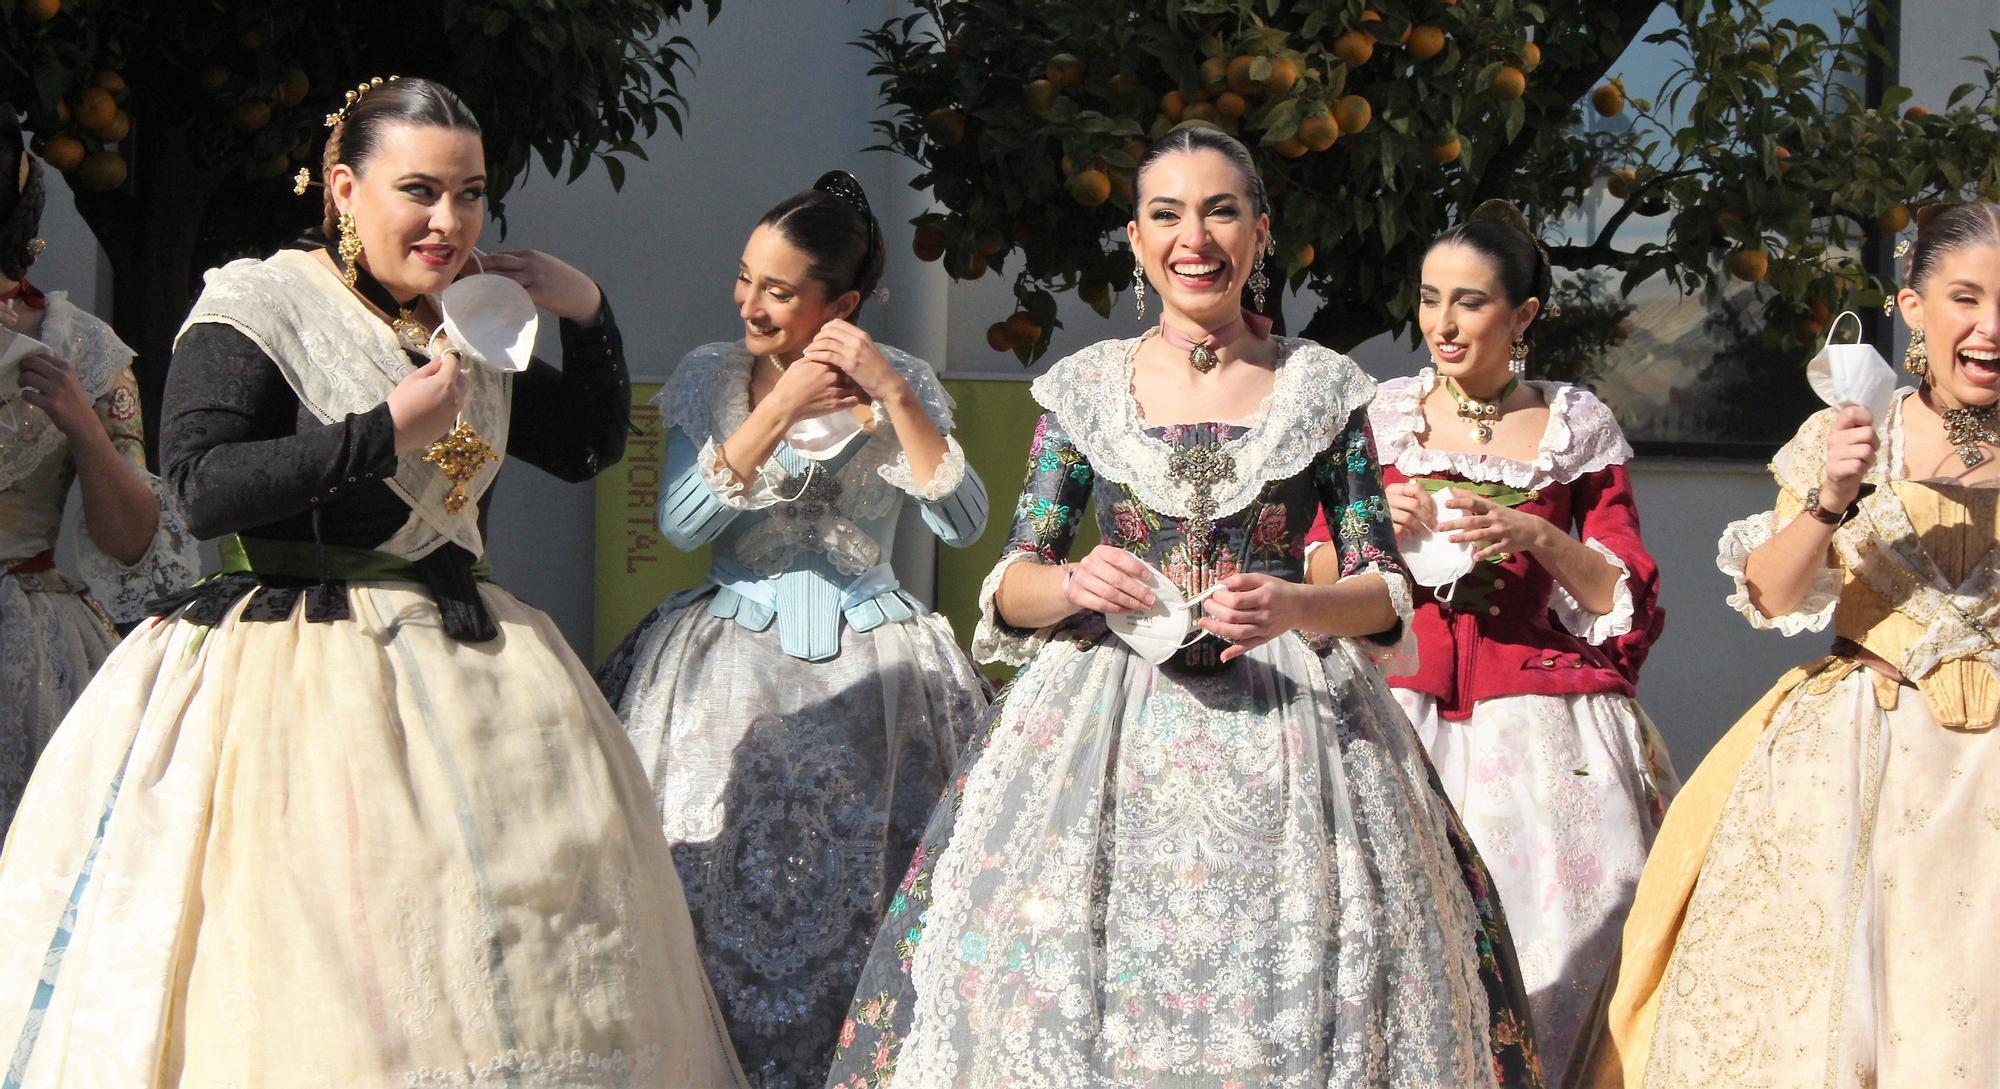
(14, 347)
(1432, 557)
(1853, 374)
(491, 319)
(1160, 632)
(822, 438)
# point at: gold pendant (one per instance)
(1203, 358)
(459, 455)
(410, 333)
(1482, 432)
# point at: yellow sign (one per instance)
(635, 566)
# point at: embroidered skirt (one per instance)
(360, 852)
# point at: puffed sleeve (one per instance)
(701, 496)
(231, 449)
(571, 422)
(1801, 459)
(1356, 512)
(1045, 524)
(1607, 520)
(169, 562)
(953, 502)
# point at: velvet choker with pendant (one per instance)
(1205, 352)
(402, 319)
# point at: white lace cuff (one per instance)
(1399, 658)
(1596, 628)
(762, 493)
(170, 563)
(993, 639)
(949, 475)
(1742, 537)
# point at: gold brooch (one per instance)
(459, 456)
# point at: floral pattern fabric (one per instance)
(1199, 873)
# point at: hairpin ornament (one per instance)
(356, 95)
(1903, 248)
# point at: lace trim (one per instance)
(1581, 438)
(545, 1070)
(949, 475)
(993, 640)
(1746, 535)
(87, 342)
(708, 398)
(1399, 659)
(1090, 394)
(1595, 628)
(731, 491)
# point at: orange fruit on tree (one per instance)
(1352, 113)
(929, 242)
(252, 114)
(1230, 104)
(293, 89)
(1371, 16)
(1784, 157)
(1022, 329)
(1291, 147)
(945, 126)
(1318, 131)
(1136, 148)
(1531, 56)
(1239, 75)
(1174, 105)
(1621, 182)
(1039, 95)
(1354, 47)
(95, 108)
(1808, 330)
(1748, 264)
(1446, 152)
(998, 338)
(40, 11)
(1121, 188)
(973, 267)
(102, 171)
(1304, 258)
(1214, 74)
(1508, 83)
(1915, 113)
(1727, 219)
(1820, 311)
(1894, 219)
(1284, 73)
(1202, 111)
(62, 111)
(119, 127)
(110, 81)
(65, 153)
(1608, 100)
(1090, 188)
(1426, 41)
(1065, 70)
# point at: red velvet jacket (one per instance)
(1503, 638)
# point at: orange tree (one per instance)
(178, 125)
(1762, 155)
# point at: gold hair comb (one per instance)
(354, 96)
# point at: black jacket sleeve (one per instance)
(571, 422)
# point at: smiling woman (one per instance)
(347, 813)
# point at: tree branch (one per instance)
(1592, 256)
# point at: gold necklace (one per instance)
(1966, 428)
(1482, 415)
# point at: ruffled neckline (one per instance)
(1581, 437)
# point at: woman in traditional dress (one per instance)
(799, 714)
(348, 814)
(69, 414)
(1233, 866)
(1818, 910)
(1527, 666)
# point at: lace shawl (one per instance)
(1581, 438)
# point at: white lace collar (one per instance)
(87, 342)
(1582, 437)
(1090, 394)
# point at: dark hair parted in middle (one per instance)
(412, 101)
(1197, 136)
(21, 198)
(1948, 228)
(833, 226)
(1498, 232)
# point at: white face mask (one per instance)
(822, 438)
(1853, 374)
(1160, 632)
(1433, 558)
(14, 347)
(491, 319)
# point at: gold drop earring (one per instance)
(350, 249)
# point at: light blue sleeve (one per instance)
(689, 511)
(960, 516)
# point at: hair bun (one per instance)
(841, 184)
(1928, 212)
(1504, 212)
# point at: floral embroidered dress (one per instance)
(1818, 910)
(347, 814)
(56, 630)
(799, 714)
(1195, 874)
(1525, 699)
